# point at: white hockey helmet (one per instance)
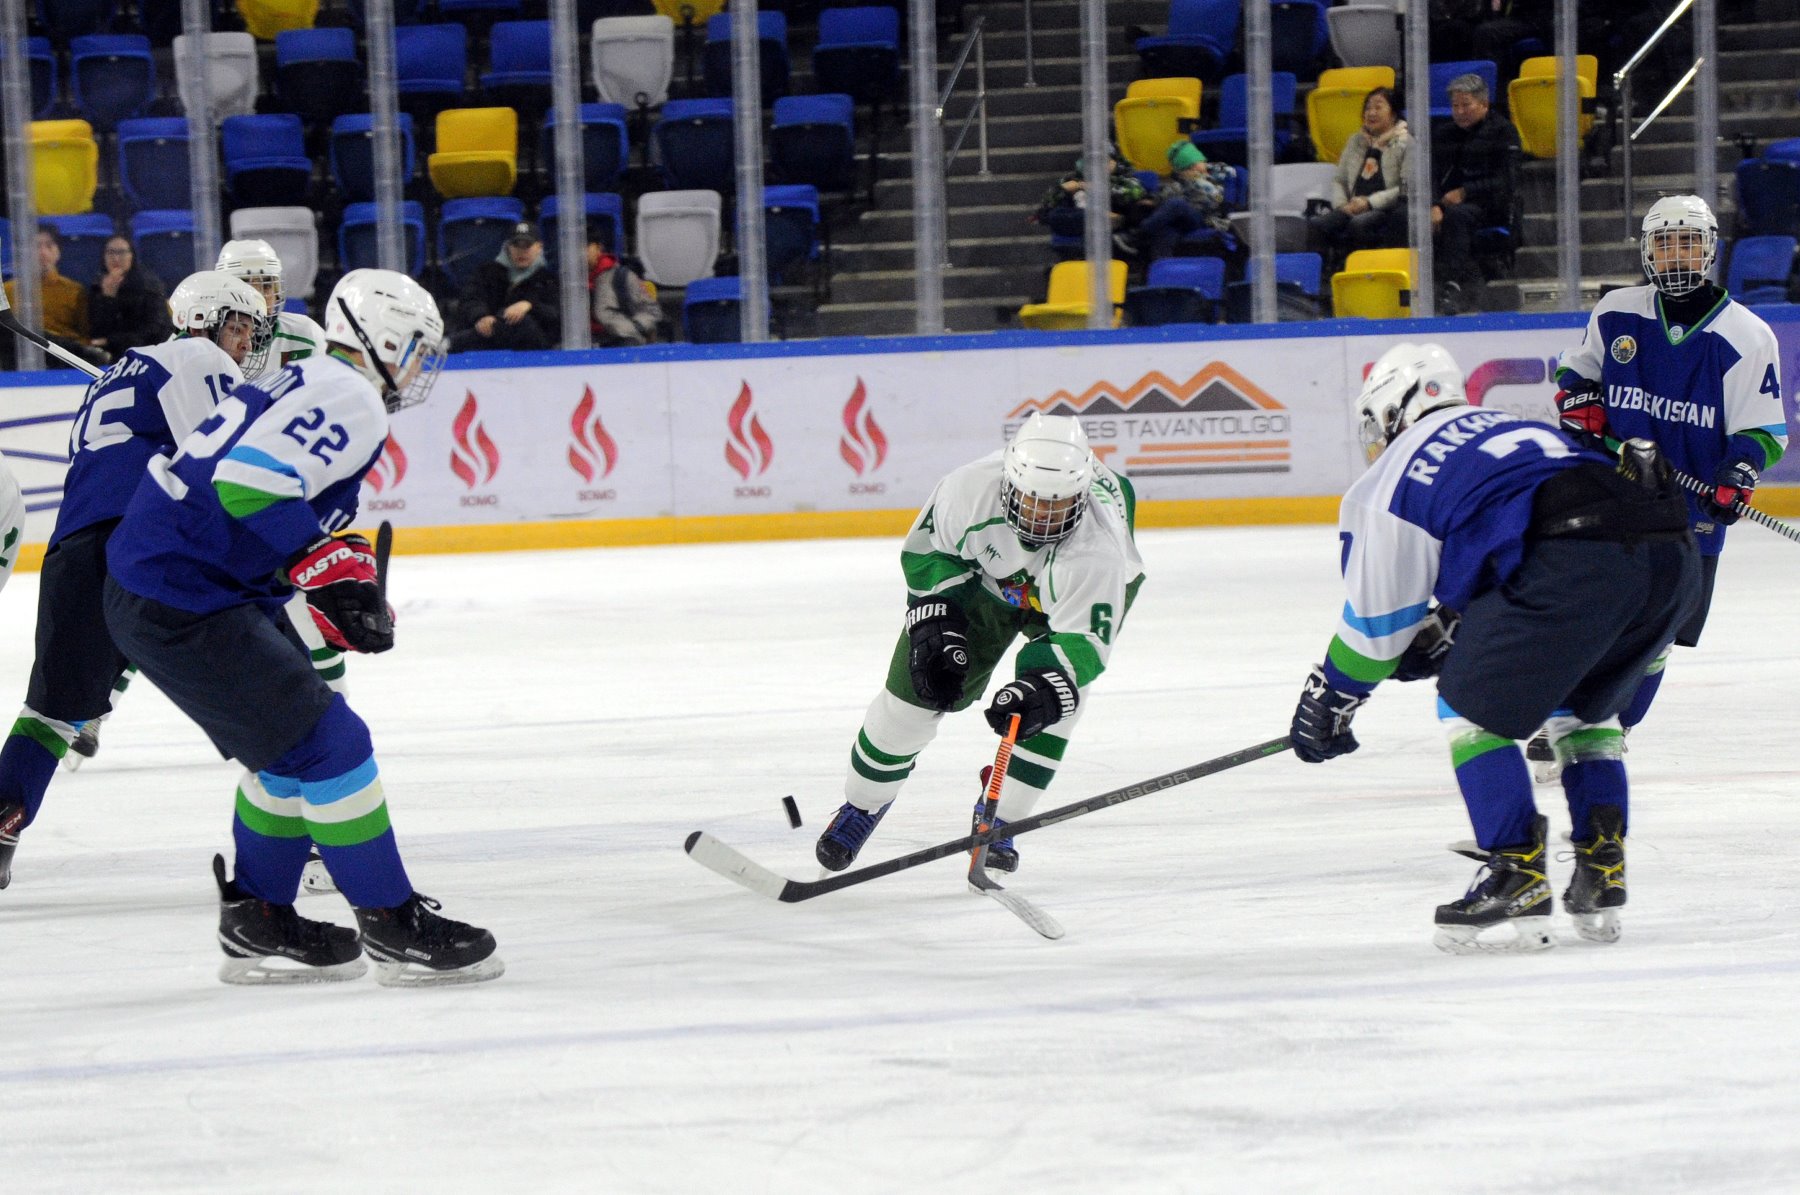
(393, 322)
(255, 262)
(1683, 233)
(203, 302)
(1407, 383)
(1045, 477)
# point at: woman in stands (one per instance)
(1369, 192)
(127, 305)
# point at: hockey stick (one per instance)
(11, 323)
(384, 547)
(1743, 508)
(979, 880)
(734, 865)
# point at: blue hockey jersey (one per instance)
(277, 465)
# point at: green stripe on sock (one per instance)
(877, 755)
(1048, 745)
(878, 777)
(269, 825)
(45, 737)
(1035, 774)
(354, 832)
(325, 653)
(334, 672)
(1474, 744)
(1357, 666)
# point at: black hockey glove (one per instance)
(938, 659)
(337, 575)
(1734, 482)
(1424, 657)
(1321, 729)
(1581, 410)
(1041, 699)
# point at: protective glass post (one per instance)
(929, 236)
(1706, 102)
(1096, 162)
(1568, 161)
(571, 172)
(1419, 192)
(15, 105)
(746, 95)
(1257, 59)
(384, 134)
(203, 146)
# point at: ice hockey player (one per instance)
(1035, 540)
(1682, 364)
(1571, 574)
(151, 398)
(12, 529)
(251, 503)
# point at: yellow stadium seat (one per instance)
(1587, 66)
(1374, 284)
(65, 163)
(265, 18)
(1066, 305)
(1185, 90)
(703, 10)
(478, 152)
(1532, 98)
(1334, 107)
(1145, 127)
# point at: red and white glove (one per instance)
(1582, 412)
(337, 575)
(1735, 483)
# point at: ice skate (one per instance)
(1508, 906)
(1546, 768)
(414, 947)
(843, 839)
(1002, 855)
(316, 880)
(270, 943)
(12, 820)
(85, 746)
(1596, 891)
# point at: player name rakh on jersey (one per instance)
(1448, 439)
(1670, 410)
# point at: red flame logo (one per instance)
(749, 450)
(864, 445)
(389, 469)
(473, 457)
(593, 453)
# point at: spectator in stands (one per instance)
(1063, 206)
(64, 301)
(127, 305)
(622, 307)
(513, 301)
(1473, 158)
(1492, 29)
(1369, 191)
(1192, 200)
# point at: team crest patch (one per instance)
(1624, 348)
(1018, 595)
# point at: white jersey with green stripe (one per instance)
(1081, 584)
(297, 337)
(12, 522)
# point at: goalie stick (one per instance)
(734, 865)
(979, 880)
(11, 323)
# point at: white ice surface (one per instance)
(1247, 999)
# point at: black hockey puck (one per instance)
(793, 811)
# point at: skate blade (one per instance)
(72, 761)
(412, 975)
(250, 972)
(1522, 936)
(316, 880)
(1599, 927)
(1547, 771)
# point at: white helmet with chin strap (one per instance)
(1678, 225)
(1409, 382)
(255, 262)
(204, 301)
(1046, 473)
(394, 324)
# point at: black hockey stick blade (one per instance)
(734, 865)
(1743, 508)
(11, 323)
(384, 547)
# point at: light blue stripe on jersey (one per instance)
(1383, 625)
(279, 786)
(1776, 430)
(259, 459)
(1445, 713)
(324, 792)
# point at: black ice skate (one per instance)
(270, 943)
(843, 839)
(84, 746)
(1002, 855)
(1596, 892)
(414, 947)
(1546, 768)
(12, 820)
(1508, 906)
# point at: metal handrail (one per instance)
(1622, 81)
(974, 42)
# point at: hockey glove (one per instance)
(938, 659)
(1582, 412)
(1321, 729)
(1424, 657)
(1734, 482)
(337, 575)
(1041, 699)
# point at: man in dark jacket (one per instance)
(1472, 157)
(127, 306)
(512, 302)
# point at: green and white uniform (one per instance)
(1068, 599)
(12, 522)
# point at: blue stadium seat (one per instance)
(164, 243)
(471, 231)
(605, 147)
(111, 77)
(1202, 33)
(771, 35)
(430, 62)
(153, 162)
(1304, 272)
(813, 140)
(266, 163)
(317, 75)
(356, 237)
(1760, 268)
(790, 227)
(518, 55)
(1769, 196)
(858, 54)
(1178, 290)
(84, 240)
(406, 12)
(605, 223)
(65, 19)
(694, 145)
(41, 60)
(6, 258)
(1783, 151)
(1298, 33)
(1443, 72)
(353, 155)
(1228, 140)
(710, 310)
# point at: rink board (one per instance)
(847, 437)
